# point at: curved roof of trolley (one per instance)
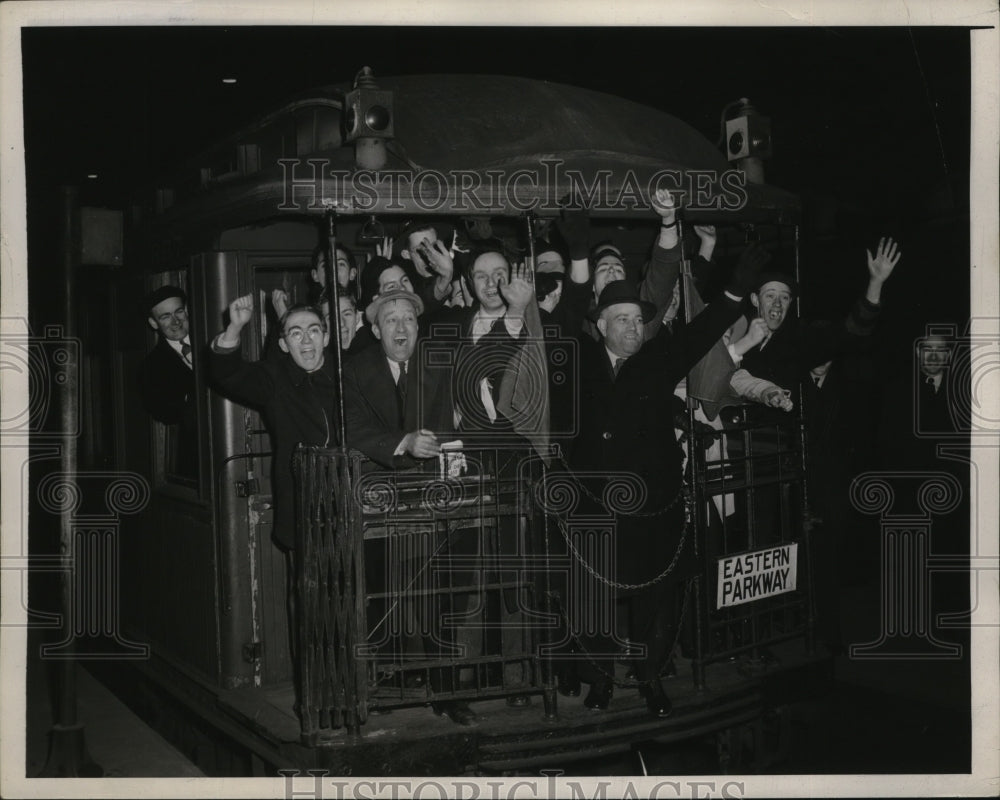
(564, 137)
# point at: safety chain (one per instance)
(613, 583)
(633, 684)
(681, 493)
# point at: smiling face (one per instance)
(303, 338)
(348, 321)
(772, 302)
(393, 278)
(621, 326)
(346, 271)
(608, 268)
(170, 318)
(489, 272)
(396, 328)
(935, 354)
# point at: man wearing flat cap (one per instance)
(166, 375)
(626, 426)
(398, 415)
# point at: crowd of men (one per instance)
(612, 411)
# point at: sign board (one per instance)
(752, 576)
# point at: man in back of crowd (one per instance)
(419, 244)
(166, 375)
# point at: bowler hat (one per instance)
(622, 292)
(157, 296)
(772, 276)
(396, 294)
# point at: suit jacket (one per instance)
(166, 384)
(516, 368)
(167, 388)
(372, 410)
(626, 425)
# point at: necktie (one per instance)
(401, 393)
(186, 352)
(618, 365)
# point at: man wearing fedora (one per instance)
(166, 375)
(626, 425)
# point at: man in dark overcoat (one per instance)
(626, 425)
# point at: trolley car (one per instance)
(203, 645)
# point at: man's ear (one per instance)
(326, 338)
(602, 326)
(376, 330)
(152, 323)
(754, 299)
(282, 345)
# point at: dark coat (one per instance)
(372, 410)
(298, 407)
(626, 425)
(166, 384)
(167, 388)
(796, 347)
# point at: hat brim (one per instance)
(647, 308)
(380, 300)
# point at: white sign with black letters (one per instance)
(762, 573)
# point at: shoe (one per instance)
(599, 696)
(657, 702)
(519, 700)
(569, 683)
(456, 710)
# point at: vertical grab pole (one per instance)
(334, 299)
(806, 529)
(692, 515)
(547, 673)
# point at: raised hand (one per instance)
(881, 265)
(756, 333)
(520, 290)
(440, 260)
(706, 234)
(384, 248)
(279, 299)
(664, 205)
(240, 311)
